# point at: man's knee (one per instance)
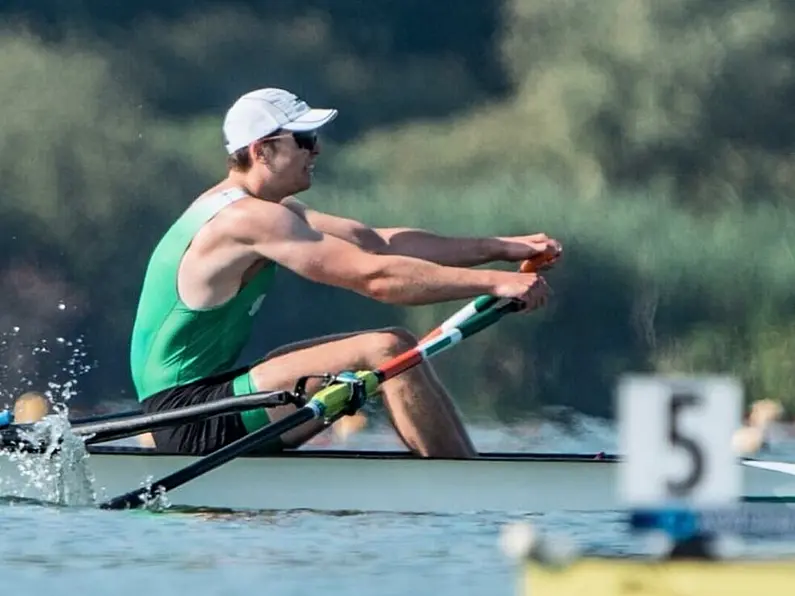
(392, 341)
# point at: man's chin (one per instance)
(305, 184)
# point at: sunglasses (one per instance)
(304, 140)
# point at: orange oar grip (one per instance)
(533, 264)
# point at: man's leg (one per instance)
(421, 410)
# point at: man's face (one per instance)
(290, 158)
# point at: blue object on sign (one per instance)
(679, 524)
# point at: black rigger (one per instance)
(19, 438)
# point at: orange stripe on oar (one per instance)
(403, 362)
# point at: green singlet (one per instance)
(174, 345)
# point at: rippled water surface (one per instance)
(69, 550)
(72, 551)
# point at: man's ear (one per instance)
(263, 153)
(256, 152)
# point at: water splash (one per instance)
(59, 475)
(156, 502)
(22, 363)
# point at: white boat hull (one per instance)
(353, 481)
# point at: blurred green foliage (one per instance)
(654, 139)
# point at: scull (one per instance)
(372, 481)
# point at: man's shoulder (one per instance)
(248, 207)
(252, 217)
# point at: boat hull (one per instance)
(353, 481)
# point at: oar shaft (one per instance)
(470, 309)
(261, 437)
(334, 399)
(481, 303)
(444, 340)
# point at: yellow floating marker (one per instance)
(552, 567)
(625, 577)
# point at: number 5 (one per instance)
(679, 402)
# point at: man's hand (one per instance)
(539, 248)
(529, 288)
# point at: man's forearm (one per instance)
(412, 281)
(411, 242)
(450, 251)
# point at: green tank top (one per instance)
(172, 344)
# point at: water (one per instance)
(79, 550)
(281, 554)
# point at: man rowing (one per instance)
(212, 270)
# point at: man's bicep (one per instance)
(312, 254)
(345, 228)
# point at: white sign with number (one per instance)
(675, 439)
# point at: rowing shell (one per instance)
(340, 480)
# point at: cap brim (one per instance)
(312, 120)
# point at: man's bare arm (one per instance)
(277, 233)
(412, 242)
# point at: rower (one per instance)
(754, 437)
(211, 272)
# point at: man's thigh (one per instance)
(202, 436)
(281, 368)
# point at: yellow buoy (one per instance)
(30, 407)
(145, 440)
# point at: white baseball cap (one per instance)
(264, 111)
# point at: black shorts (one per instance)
(204, 436)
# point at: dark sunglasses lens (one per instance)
(305, 140)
